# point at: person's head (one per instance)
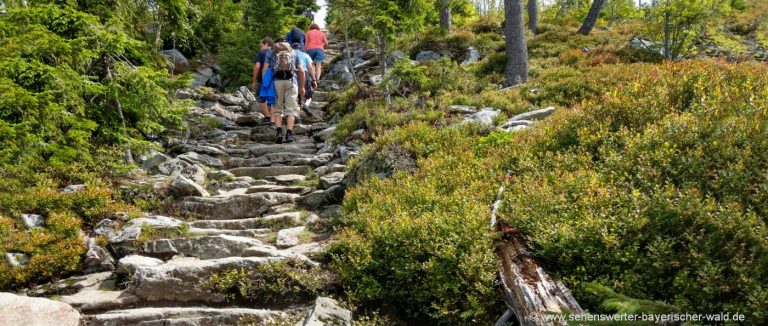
(296, 45)
(314, 26)
(267, 43)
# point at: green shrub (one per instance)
(278, 282)
(419, 243)
(653, 184)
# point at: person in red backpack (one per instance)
(288, 74)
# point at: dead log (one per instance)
(529, 292)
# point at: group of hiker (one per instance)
(285, 74)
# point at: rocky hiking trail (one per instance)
(241, 201)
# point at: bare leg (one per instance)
(265, 109)
(291, 120)
(276, 118)
(318, 70)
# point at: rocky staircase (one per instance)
(236, 200)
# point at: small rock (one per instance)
(156, 221)
(97, 259)
(177, 60)
(33, 220)
(462, 109)
(247, 94)
(19, 310)
(177, 166)
(327, 312)
(16, 259)
(182, 186)
(129, 264)
(377, 79)
(289, 237)
(325, 134)
(473, 55)
(326, 169)
(425, 56)
(72, 188)
(534, 115)
(154, 160)
(331, 180)
(484, 117)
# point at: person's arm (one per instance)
(325, 41)
(302, 81)
(312, 75)
(264, 71)
(256, 67)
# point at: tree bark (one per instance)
(529, 292)
(445, 15)
(517, 51)
(667, 51)
(533, 15)
(594, 13)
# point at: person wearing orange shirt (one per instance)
(316, 42)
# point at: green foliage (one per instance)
(419, 243)
(653, 184)
(282, 281)
(56, 249)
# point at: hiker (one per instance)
(258, 68)
(311, 84)
(315, 47)
(296, 35)
(285, 65)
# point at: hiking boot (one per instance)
(279, 136)
(289, 136)
(265, 121)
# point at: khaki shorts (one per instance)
(287, 95)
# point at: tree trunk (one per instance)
(667, 54)
(529, 292)
(533, 15)
(445, 15)
(517, 51)
(594, 13)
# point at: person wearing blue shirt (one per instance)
(311, 82)
(296, 35)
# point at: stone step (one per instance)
(257, 233)
(249, 223)
(100, 299)
(234, 207)
(184, 316)
(186, 279)
(319, 95)
(209, 247)
(256, 150)
(286, 189)
(288, 158)
(270, 171)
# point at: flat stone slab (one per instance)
(70, 285)
(269, 171)
(234, 207)
(95, 299)
(289, 237)
(201, 316)
(184, 279)
(20, 310)
(210, 247)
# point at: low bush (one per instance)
(419, 243)
(278, 282)
(653, 184)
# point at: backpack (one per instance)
(285, 61)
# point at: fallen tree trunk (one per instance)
(529, 292)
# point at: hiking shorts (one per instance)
(287, 98)
(317, 55)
